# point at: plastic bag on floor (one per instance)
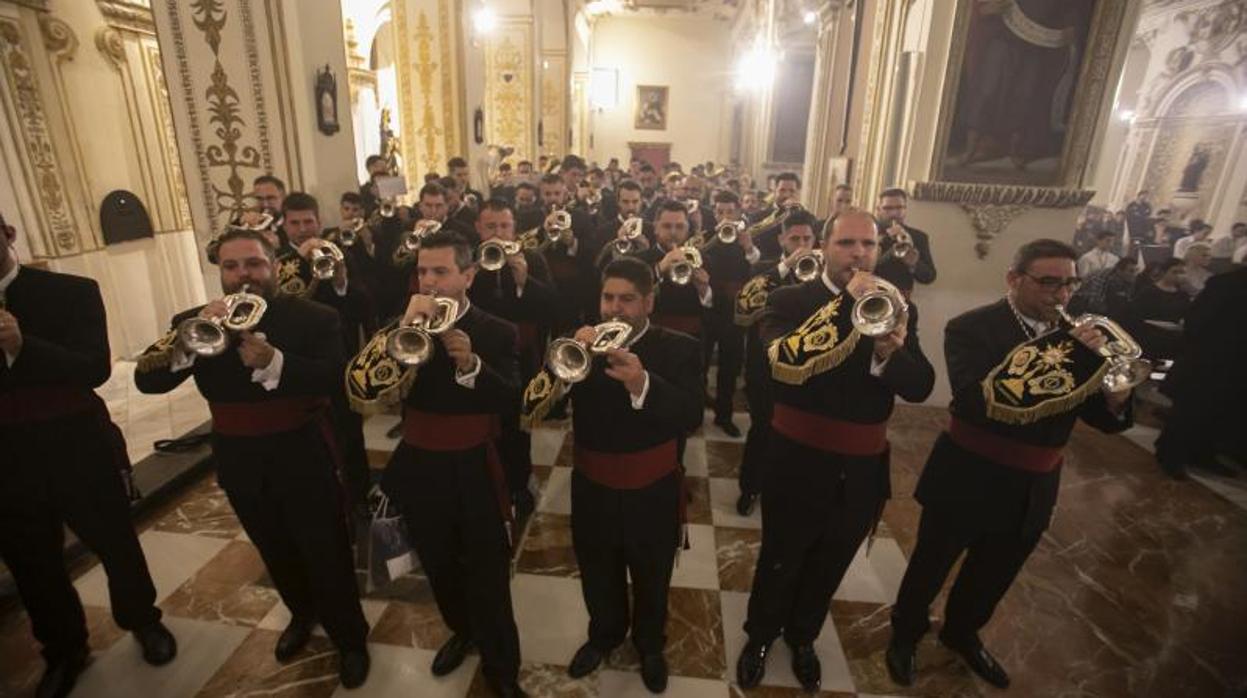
(390, 555)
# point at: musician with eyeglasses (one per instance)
(634, 403)
(514, 284)
(268, 364)
(797, 240)
(842, 348)
(65, 464)
(683, 292)
(904, 251)
(1021, 375)
(445, 475)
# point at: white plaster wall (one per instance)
(691, 56)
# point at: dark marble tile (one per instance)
(737, 553)
(547, 548)
(225, 589)
(782, 692)
(411, 624)
(253, 671)
(695, 633)
(723, 458)
(203, 510)
(541, 680)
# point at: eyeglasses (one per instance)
(1055, 283)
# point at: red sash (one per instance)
(1003, 450)
(266, 417)
(627, 471)
(688, 324)
(830, 434)
(40, 403)
(431, 431)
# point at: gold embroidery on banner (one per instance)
(425, 68)
(41, 158)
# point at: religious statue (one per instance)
(1194, 170)
(389, 142)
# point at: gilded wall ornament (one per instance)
(58, 38)
(425, 70)
(44, 172)
(169, 138)
(989, 221)
(110, 44)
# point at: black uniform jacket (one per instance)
(603, 418)
(975, 343)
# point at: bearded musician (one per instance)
(827, 477)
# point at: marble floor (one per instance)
(1136, 590)
(145, 419)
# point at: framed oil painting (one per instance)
(651, 107)
(1027, 82)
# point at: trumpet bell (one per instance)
(1127, 368)
(568, 360)
(412, 345)
(728, 231)
(682, 271)
(202, 336)
(808, 266)
(878, 312)
(325, 260)
(388, 209)
(494, 253)
(558, 221)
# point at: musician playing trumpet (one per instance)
(269, 394)
(827, 477)
(682, 297)
(632, 411)
(904, 251)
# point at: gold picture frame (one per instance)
(651, 108)
(955, 171)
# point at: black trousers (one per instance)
(286, 493)
(62, 472)
(515, 447)
(457, 529)
(355, 472)
(720, 331)
(620, 532)
(817, 508)
(761, 407)
(994, 556)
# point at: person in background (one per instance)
(1200, 231)
(1158, 307)
(1099, 257)
(1107, 291)
(915, 266)
(1229, 249)
(1198, 257)
(1139, 215)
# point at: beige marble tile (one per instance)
(171, 558)
(551, 616)
(836, 675)
(723, 495)
(697, 567)
(253, 670)
(404, 671)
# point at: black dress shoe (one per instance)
(61, 675)
(510, 689)
(159, 645)
(744, 503)
(751, 665)
(451, 655)
(654, 672)
(586, 660)
(353, 666)
(978, 659)
(807, 668)
(902, 661)
(293, 639)
(729, 427)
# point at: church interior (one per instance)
(134, 132)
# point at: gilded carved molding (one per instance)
(110, 44)
(425, 70)
(992, 207)
(58, 38)
(168, 138)
(508, 87)
(447, 10)
(32, 134)
(989, 221)
(132, 15)
(406, 101)
(554, 103)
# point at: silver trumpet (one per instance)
(692, 206)
(424, 227)
(629, 235)
(879, 311)
(728, 231)
(570, 361)
(682, 271)
(557, 222)
(902, 244)
(808, 266)
(348, 234)
(325, 259)
(388, 208)
(494, 253)
(1126, 365)
(210, 336)
(412, 344)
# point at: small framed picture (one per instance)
(651, 107)
(327, 102)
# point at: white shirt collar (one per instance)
(637, 337)
(831, 286)
(8, 278)
(463, 308)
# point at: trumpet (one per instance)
(1126, 365)
(470, 200)
(692, 206)
(903, 243)
(808, 266)
(388, 208)
(629, 234)
(682, 271)
(879, 311)
(325, 259)
(728, 231)
(570, 361)
(557, 222)
(348, 234)
(210, 336)
(412, 344)
(494, 253)
(424, 227)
